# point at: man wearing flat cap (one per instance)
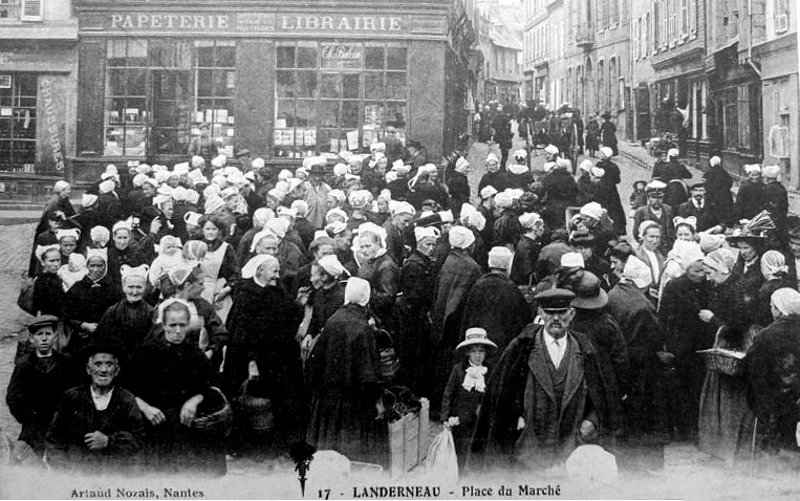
(549, 392)
(656, 210)
(98, 427)
(39, 379)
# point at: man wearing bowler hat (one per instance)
(316, 191)
(549, 391)
(39, 379)
(203, 145)
(98, 427)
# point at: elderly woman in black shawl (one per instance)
(171, 379)
(48, 293)
(725, 421)
(456, 278)
(131, 318)
(645, 405)
(345, 380)
(88, 300)
(772, 368)
(263, 324)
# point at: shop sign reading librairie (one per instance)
(253, 22)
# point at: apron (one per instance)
(211, 265)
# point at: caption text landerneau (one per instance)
(466, 491)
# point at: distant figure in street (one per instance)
(608, 133)
(502, 135)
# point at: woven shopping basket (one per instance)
(214, 415)
(255, 411)
(728, 362)
(389, 361)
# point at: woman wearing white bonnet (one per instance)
(776, 276)
(526, 251)
(775, 198)
(724, 415)
(748, 199)
(718, 191)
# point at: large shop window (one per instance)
(18, 122)
(333, 96)
(158, 92)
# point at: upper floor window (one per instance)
(24, 10)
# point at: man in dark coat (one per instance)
(345, 380)
(98, 426)
(549, 393)
(39, 379)
(502, 134)
(600, 327)
(656, 210)
(718, 191)
(698, 208)
(496, 304)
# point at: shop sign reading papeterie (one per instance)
(253, 22)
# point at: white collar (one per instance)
(101, 401)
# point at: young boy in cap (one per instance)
(39, 379)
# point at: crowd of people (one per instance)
(530, 320)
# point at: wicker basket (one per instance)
(728, 362)
(256, 412)
(389, 361)
(218, 420)
(723, 361)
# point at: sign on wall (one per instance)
(51, 126)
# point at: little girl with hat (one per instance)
(465, 389)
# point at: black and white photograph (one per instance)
(399, 249)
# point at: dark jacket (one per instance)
(706, 217)
(121, 421)
(382, 274)
(522, 387)
(499, 180)
(460, 192)
(496, 304)
(772, 368)
(129, 322)
(749, 200)
(718, 194)
(34, 390)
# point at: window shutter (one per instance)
(32, 10)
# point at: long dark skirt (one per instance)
(175, 448)
(347, 424)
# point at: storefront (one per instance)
(734, 110)
(37, 91)
(284, 85)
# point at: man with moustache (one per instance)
(549, 394)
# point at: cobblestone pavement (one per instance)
(688, 473)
